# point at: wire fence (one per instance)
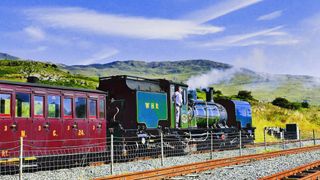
(29, 156)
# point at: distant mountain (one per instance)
(175, 70)
(8, 57)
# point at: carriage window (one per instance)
(67, 106)
(93, 108)
(102, 109)
(53, 106)
(38, 106)
(81, 107)
(5, 104)
(22, 105)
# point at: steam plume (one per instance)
(212, 77)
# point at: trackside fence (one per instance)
(91, 158)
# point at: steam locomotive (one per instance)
(144, 107)
(71, 121)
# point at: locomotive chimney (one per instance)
(32, 79)
(209, 95)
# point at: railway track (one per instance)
(216, 150)
(304, 172)
(180, 170)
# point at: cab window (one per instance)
(81, 107)
(93, 108)
(38, 106)
(22, 105)
(53, 106)
(67, 108)
(5, 104)
(184, 96)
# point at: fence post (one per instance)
(283, 140)
(314, 138)
(111, 154)
(300, 142)
(240, 143)
(162, 153)
(21, 158)
(211, 145)
(265, 139)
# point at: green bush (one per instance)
(281, 102)
(245, 95)
(284, 103)
(294, 105)
(305, 104)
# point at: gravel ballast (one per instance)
(257, 169)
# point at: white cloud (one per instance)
(35, 33)
(276, 33)
(270, 16)
(220, 9)
(109, 24)
(41, 48)
(271, 36)
(244, 39)
(255, 60)
(302, 57)
(100, 56)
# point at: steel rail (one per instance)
(314, 176)
(307, 171)
(179, 170)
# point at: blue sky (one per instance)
(275, 36)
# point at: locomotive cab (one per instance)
(135, 104)
(170, 87)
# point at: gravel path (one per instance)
(98, 171)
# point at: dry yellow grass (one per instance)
(267, 115)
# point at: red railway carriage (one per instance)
(52, 120)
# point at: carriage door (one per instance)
(68, 121)
(93, 120)
(7, 132)
(53, 124)
(81, 121)
(39, 134)
(23, 119)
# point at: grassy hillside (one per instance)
(18, 70)
(266, 87)
(267, 115)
